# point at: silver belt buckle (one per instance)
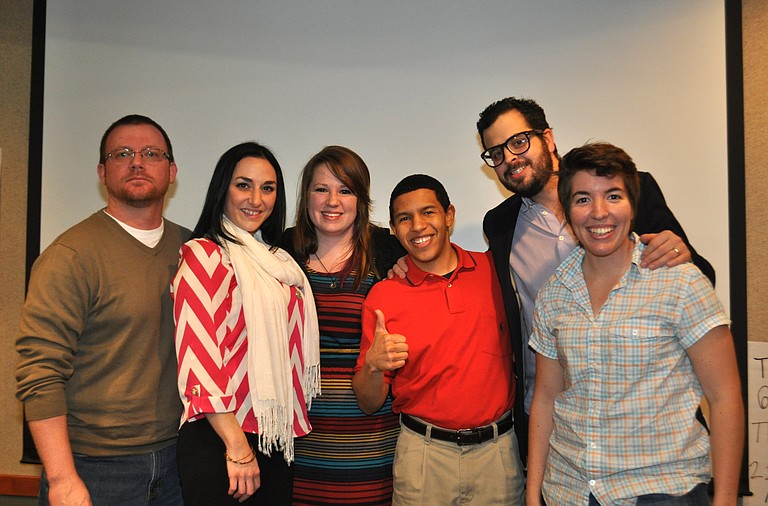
(466, 437)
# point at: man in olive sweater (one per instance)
(97, 366)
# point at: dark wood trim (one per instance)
(737, 214)
(35, 167)
(18, 485)
(34, 174)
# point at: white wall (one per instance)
(400, 82)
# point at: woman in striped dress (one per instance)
(246, 340)
(347, 459)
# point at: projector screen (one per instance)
(399, 82)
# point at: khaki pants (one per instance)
(431, 472)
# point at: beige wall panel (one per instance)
(755, 19)
(15, 67)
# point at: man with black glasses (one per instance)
(528, 234)
(97, 365)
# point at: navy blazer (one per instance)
(499, 223)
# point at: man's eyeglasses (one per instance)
(517, 145)
(123, 156)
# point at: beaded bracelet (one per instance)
(244, 460)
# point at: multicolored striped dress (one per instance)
(347, 458)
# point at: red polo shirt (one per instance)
(459, 369)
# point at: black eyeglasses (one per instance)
(517, 145)
(123, 156)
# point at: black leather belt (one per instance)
(460, 437)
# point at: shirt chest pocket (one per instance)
(633, 349)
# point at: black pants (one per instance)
(203, 470)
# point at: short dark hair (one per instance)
(418, 182)
(209, 225)
(605, 160)
(133, 119)
(530, 110)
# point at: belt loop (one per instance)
(495, 433)
(428, 435)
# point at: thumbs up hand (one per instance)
(388, 352)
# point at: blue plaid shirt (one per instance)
(625, 424)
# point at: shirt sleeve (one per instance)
(52, 320)
(202, 302)
(542, 339)
(700, 309)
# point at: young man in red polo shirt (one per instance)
(439, 340)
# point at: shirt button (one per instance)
(593, 445)
(544, 213)
(450, 285)
(592, 483)
(195, 391)
(561, 238)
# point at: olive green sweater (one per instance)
(96, 340)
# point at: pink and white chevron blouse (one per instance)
(212, 342)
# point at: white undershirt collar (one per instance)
(149, 238)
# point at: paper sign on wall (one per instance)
(757, 400)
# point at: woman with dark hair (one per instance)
(624, 356)
(246, 340)
(347, 459)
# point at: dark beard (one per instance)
(541, 169)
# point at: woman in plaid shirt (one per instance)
(624, 355)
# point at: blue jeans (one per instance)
(149, 479)
(697, 496)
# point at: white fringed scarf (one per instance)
(259, 273)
